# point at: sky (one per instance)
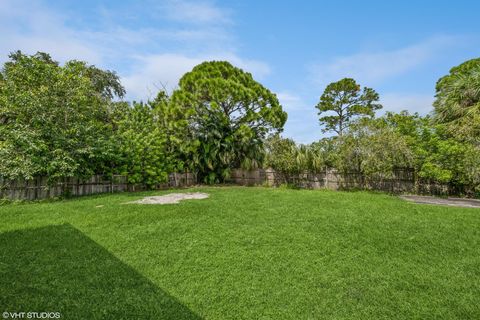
(294, 48)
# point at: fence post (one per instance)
(325, 183)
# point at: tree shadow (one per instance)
(59, 269)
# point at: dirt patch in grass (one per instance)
(171, 198)
(456, 202)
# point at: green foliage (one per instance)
(60, 121)
(415, 130)
(326, 151)
(54, 119)
(370, 147)
(282, 155)
(142, 146)
(226, 114)
(450, 161)
(343, 102)
(172, 118)
(285, 156)
(438, 156)
(63, 121)
(457, 104)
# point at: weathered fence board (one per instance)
(39, 188)
(402, 181)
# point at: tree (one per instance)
(457, 103)
(416, 130)
(438, 155)
(347, 102)
(285, 156)
(141, 145)
(326, 152)
(370, 147)
(54, 120)
(282, 155)
(229, 115)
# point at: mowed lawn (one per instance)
(244, 253)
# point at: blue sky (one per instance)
(399, 48)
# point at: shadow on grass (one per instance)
(59, 269)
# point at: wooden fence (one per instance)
(401, 181)
(39, 188)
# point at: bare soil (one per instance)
(171, 198)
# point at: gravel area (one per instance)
(456, 202)
(171, 198)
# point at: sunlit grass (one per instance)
(243, 253)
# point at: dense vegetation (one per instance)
(71, 121)
(244, 253)
(443, 146)
(67, 121)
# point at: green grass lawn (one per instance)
(244, 253)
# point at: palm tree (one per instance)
(457, 104)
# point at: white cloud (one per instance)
(288, 99)
(196, 12)
(34, 26)
(374, 67)
(30, 27)
(302, 122)
(421, 103)
(155, 71)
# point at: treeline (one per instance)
(442, 147)
(383, 145)
(71, 120)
